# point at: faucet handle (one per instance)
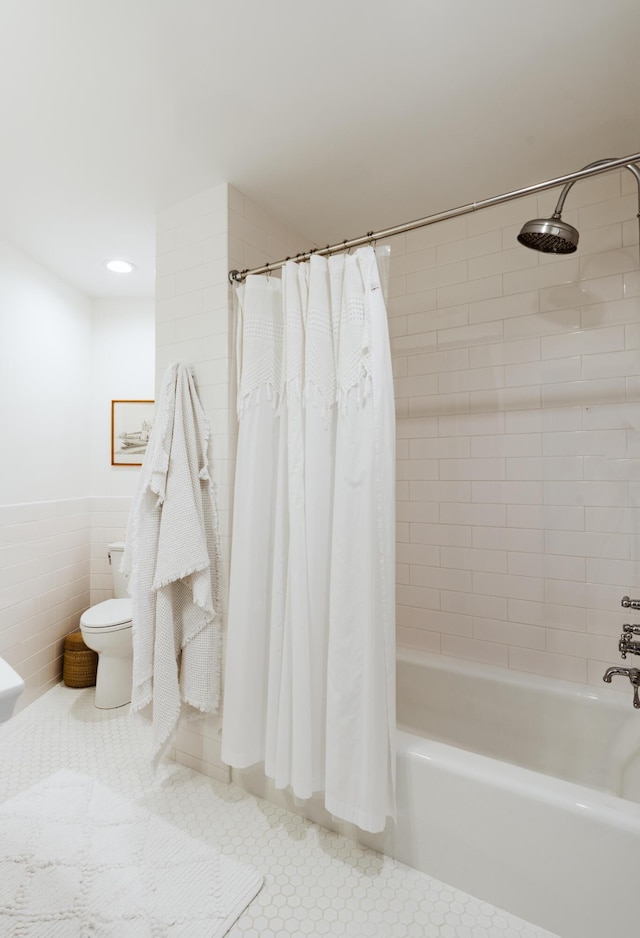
(627, 603)
(626, 645)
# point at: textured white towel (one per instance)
(172, 556)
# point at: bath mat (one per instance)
(78, 861)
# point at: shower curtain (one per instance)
(310, 653)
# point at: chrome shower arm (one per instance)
(636, 172)
(565, 189)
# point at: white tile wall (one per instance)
(53, 566)
(109, 515)
(518, 427)
(198, 242)
(519, 435)
(44, 586)
(193, 325)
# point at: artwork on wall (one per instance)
(131, 423)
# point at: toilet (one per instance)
(106, 628)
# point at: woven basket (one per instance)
(80, 663)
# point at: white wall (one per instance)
(62, 360)
(518, 404)
(193, 326)
(198, 242)
(518, 419)
(45, 346)
(122, 368)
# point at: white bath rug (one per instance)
(78, 861)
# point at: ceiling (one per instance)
(111, 111)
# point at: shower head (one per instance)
(555, 236)
(549, 235)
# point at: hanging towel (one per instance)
(172, 557)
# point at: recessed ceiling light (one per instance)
(120, 267)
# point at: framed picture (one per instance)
(131, 423)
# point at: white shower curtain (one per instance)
(310, 654)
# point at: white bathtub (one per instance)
(521, 791)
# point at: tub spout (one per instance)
(609, 673)
(634, 676)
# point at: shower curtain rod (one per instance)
(237, 276)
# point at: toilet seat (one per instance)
(112, 615)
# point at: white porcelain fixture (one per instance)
(518, 789)
(522, 790)
(11, 686)
(106, 628)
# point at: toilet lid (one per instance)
(110, 612)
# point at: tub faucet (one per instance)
(634, 676)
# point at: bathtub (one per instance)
(521, 791)
(517, 789)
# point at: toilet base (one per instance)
(113, 682)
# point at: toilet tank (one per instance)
(116, 551)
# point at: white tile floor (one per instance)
(316, 882)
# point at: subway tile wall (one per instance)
(44, 586)
(518, 434)
(198, 242)
(192, 325)
(109, 516)
(53, 565)
(518, 475)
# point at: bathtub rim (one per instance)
(524, 680)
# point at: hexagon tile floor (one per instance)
(316, 882)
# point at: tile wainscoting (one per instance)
(53, 566)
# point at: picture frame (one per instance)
(131, 424)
